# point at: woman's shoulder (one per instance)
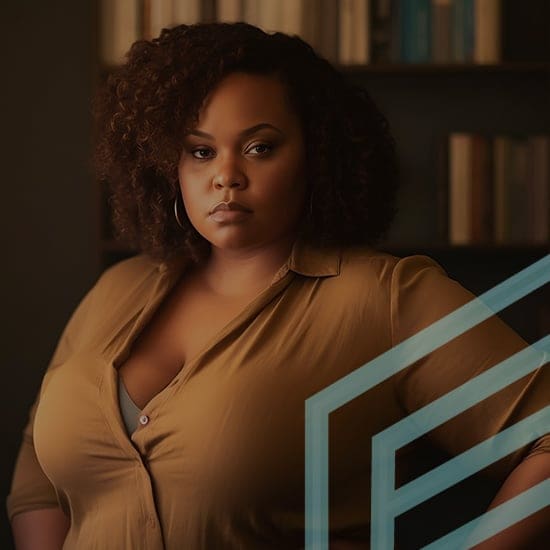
(134, 267)
(382, 265)
(127, 273)
(123, 278)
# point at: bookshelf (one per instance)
(439, 69)
(424, 103)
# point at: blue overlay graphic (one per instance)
(386, 502)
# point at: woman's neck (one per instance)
(234, 273)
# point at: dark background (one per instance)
(50, 203)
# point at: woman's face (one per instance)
(247, 147)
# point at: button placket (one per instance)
(149, 511)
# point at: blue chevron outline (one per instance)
(319, 406)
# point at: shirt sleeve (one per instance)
(30, 488)
(421, 294)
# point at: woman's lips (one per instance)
(229, 215)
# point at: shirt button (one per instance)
(143, 419)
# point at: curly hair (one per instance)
(143, 109)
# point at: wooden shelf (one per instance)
(401, 69)
(494, 251)
(451, 68)
(498, 248)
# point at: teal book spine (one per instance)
(406, 30)
(468, 31)
(422, 31)
(458, 21)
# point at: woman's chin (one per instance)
(232, 239)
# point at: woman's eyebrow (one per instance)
(244, 133)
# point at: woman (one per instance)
(255, 183)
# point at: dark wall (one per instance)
(47, 198)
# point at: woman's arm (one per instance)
(37, 521)
(43, 529)
(534, 530)
(422, 294)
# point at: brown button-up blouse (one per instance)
(217, 458)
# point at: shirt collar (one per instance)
(313, 261)
(304, 259)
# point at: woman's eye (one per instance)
(264, 149)
(198, 150)
(263, 145)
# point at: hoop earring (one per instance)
(176, 212)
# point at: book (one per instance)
(442, 31)
(310, 22)
(518, 180)
(270, 15)
(442, 188)
(251, 12)
(502, 154)
(361, 52)
(159, 15)
(415, 31)
(539, 188)
(381, 32)
(345, 33)
(462, 16)
(460, 188)
(487, 31)
(185, 12)
(327, 43)
(229, 11)
(120, 28)
(354, 32)
(481, 220)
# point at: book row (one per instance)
(494, 189)
(346, 32)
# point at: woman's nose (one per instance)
(229, 174)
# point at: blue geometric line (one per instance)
(471, 461)
(468, 394)
(319, 406)
(316, 476)
(495, 520)
(420, 422)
